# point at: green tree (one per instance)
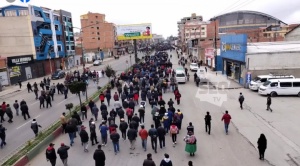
(76, 88)
(109, 71)
(69, 106)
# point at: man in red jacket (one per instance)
(226, 118)
(144, 135)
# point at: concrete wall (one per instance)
(274, 61)
(294, 72)
(293, 35)
(16, 36)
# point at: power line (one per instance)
(228, 7)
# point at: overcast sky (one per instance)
(164, 14)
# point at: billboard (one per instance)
(134, 31)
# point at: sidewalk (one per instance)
(15, 88)
(220, 81)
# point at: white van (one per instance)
(276, 87)
(259, 80)
(201, 73)
(180, 76)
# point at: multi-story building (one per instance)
(97, 33)
(157, 38)
(181, 23)
(33, 41)
(67, 35)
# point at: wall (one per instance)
(293, 35)
(16, 36)
(276, 60)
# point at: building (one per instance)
(97, 33)
(33, 43)
(181, 34)
(67, 36)
(239, 59)
(157, 38)
(293, 35)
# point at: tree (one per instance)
(69, 106)
(77, 87)
(109, 71)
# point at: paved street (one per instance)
(213, 150)
(20, 132)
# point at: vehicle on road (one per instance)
(97, 63)
(180, 76)
(117, 56)
(277, 87)
(261, 79)
(58, 75)
(201, 73)
(194, 67)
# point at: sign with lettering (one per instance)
(19, 60)
(230, 47)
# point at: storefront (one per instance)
(20, 67)
(233, 51)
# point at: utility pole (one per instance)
(135, 50)
(215, 43)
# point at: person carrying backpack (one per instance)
(173, 133)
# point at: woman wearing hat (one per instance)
(191, 141)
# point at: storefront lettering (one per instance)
(21, 60)
(231, 47)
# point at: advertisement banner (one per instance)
(3, 78)
(209, 52)
(134, 31)
(15, 71)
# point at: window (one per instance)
(23, 12)
(296, 84)
(71, 38)
(56, 27)
(98, 38)
(203, 28)
(69, 19)
(263, 80)
(47, 15)
(64, 18)
(72, 47)
(92, 27)
(96, 16)
(98, 33)
(92, 32)
(93, 38)
(58, 47)
(202, 33)
(10, 13)
(97, 27)
(274, 84)
(56, 18)
(37, 13)
(285, 84)
(58, 38)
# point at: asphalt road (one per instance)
(217, 149)
(20, 132)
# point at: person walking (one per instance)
(129, 113)
(262, 146)
(99, 157)
(83, 110)
(166, 121)
(63, 121)
(166, 161)
(103, 131)
(131, 135)
(62, 151)
(177, 97)
(269, 102)
(93, 133)
(71, 129)
(115, 137)
(190, 163)
(141, 111)
(153, 135)
(95, 111)
(173, 133)
(24, 110)
(149, 161)
(9, 113)
(241, 100)
(143, 133)
(35, 127)
(161, 132)
(190, 127)
(2, 136)
(16, 106)
(123, 127)
(48, 100)
(84, 138)
(42, 101)
(50, 154)
(207, 119)
(190, 146)
(226, 118)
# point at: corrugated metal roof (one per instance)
(273, 47)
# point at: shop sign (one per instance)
(231, 47)
(209, 52)
(248, 77)
(19, 60)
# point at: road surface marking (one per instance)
(27, 122)
(61, 101)
(34, 103)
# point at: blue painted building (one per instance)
(232, 60)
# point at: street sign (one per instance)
(248, 77)
(134, 34)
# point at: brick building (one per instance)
(97, 33)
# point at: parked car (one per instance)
(97, 63)
(194, 67)
(117, 56)
(58, 75)
(201, 73)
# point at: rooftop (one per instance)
(273, 47)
